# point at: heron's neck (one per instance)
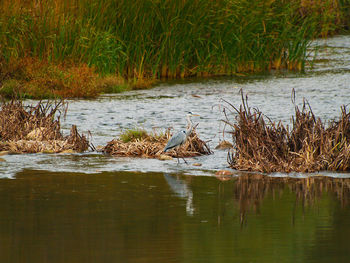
(189, 126)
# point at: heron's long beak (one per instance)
(195, 115)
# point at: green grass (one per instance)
(130, 135)
(139, 134)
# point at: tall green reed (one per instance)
(156, 39)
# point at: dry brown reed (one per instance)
(152, 145)
(32, 129)
(271, 147)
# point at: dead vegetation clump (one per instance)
(32, 129)
(152, 145)
(309, 146)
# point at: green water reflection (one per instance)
(137, 217)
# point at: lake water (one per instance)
(155, 217)
(94, 208)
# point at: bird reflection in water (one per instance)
(181, 189)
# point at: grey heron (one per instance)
(180, 137)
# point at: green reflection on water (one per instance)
(135, 217)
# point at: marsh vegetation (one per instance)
(33, 129)
(310, 145)
(82, 48)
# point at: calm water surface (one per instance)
(154, 217)
(94, 208)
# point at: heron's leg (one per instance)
(184, 160)
(177, 155)
(181, 157)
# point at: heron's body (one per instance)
(180, 138)
(176, 140)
